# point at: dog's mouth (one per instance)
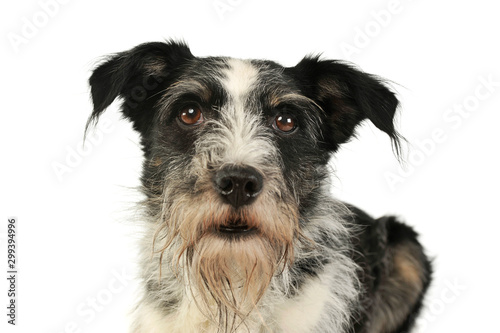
(236, 227)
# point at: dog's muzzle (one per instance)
(238, 185)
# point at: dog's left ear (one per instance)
(347, 96)
(136, 75)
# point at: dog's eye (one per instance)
(191, 115)
(284, 123)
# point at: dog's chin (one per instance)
(231, 256)
(231, 268)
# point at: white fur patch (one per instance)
(186, 320)
(238, 137)
(302, 314)
(239, 78)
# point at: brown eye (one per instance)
(191, 115)
(284, 123)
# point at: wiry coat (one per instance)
(300, 261)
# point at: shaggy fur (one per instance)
(240, 232)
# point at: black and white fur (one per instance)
(334, 268)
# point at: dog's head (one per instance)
(236, 154)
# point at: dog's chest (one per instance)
(299, 314)
(303, 312)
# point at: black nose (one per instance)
(238, 185)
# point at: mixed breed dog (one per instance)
(241, 233)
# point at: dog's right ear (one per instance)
(137, 76)
(347, 96)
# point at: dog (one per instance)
(241, 233)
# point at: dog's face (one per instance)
(235, 154)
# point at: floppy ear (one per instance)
(137, 76)
(348, 96)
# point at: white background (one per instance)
(76, 231)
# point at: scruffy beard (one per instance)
(232, 276)
(227, 274)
